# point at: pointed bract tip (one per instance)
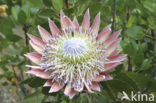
(62, 13)
(120, 30)
(109, 26)
(26, 55)
(29, 35)
(119, 40)
(38, 26)
(87, 12)
(49, 19)
(28, 72)
(75, 18)
(110, 78)
(125, 55)
(99, 13)
(88, 9)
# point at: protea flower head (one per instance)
(75, 58)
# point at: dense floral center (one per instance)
(76, 60)
(74, 47)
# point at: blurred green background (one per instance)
(136, 18)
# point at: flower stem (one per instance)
(114, 15)
(67, 4)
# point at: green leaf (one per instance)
(26, 81)
(135, 32)
(13, 37)
(72, 1)
(44, 14)
(15, 10)
(36, 82)
(152, 87)
(151, 22)
(58, 4)
(131, 20)
(45, 91)
(154, 50)
(1, 76)
(141, 80)
(130, 3)
(34, 97)
(113, 87)
(6, 29)
(63, 101)
(35, 2)
(22, 17)
(150, 5)
(138, 58)
(4, 43)
(47, 3)
(124, 86)
(93, 5)
(146, 64)
(124, 77)
(129, 47)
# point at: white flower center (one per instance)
(75, 60)
(74, 47)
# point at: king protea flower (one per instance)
(75, 58)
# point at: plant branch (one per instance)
(67, 4)
(128, 14)
(26, 36)
(153, 37)
(15, 74)
(23, 89)
(129, 58)
(114, 15)
(129, 64)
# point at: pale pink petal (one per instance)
(62, 14)
(76, 24)
(66, 23)
(69, 91)
(115, 52)
(87, 87)
(120, 57)
(113, 46)
(46, 36)
(86, 21)
(36, 47)
(112, 38)
(95, 86)
(55, 87)
(61, 18)
(53, 28)
(79, 89)
(96, 24)
(32, 66)
(34, 57)
(103, 35)
(111, 66)
(39, 73)
(48, 83)
(103, 77)
(37, 40)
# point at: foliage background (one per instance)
(137, 18)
